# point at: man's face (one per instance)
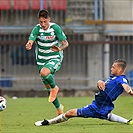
(115, 69)
(44, 22)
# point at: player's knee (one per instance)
(44, 72)
(71, 113)
(68, 114)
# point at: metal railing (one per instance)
(84, 63)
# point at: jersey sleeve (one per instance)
(124, 80)
(33, 34)
(59, 33)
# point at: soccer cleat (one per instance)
(42, 123)
(130, 122)
(60, 109)
(53, 93)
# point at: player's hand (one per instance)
(101, 85)
(28, 46)
(55, 48)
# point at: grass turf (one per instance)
(21, 113)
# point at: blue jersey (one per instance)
(113, 88)
(103, 103)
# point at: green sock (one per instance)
(56, 101)
(44, 81)
(49, 78)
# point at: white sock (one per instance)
(116, 118)
(58, 119)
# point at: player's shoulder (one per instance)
(54, 25)
(37, 26)
(125, 79)
(122, 78)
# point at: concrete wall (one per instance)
(118, 10)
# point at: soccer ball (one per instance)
(2, 103)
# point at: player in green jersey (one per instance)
(50, 42)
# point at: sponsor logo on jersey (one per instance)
(50, 37)
(42, 36)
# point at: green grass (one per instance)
(20, 115)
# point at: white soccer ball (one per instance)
(2, 103)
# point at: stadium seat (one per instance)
(36, 4)
(21, 4)
(58, 4)
(5, 5)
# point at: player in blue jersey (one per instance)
(102, 105)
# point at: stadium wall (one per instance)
(119, 10)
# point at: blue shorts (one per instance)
(92, 111)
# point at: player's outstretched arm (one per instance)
(128, 89)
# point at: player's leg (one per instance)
(56, 101)
(58, 119)
(47, 72)
(85, 112)
(48, 87)
(59, 107)
(116, 118)
(48, 77)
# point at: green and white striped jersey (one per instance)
(45, 39)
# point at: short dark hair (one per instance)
(121, 63)
(43, 13)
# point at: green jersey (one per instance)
(45, 39)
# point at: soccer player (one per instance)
(50, 42)
(102, 106)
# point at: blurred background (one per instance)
(98, 31)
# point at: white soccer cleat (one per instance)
(38, 123)
(42, 123)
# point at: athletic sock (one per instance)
(56, 103)
(49, 78)
(58, 119)
(116, 118)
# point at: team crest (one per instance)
(52, 33)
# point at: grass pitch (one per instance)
(21, 113)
